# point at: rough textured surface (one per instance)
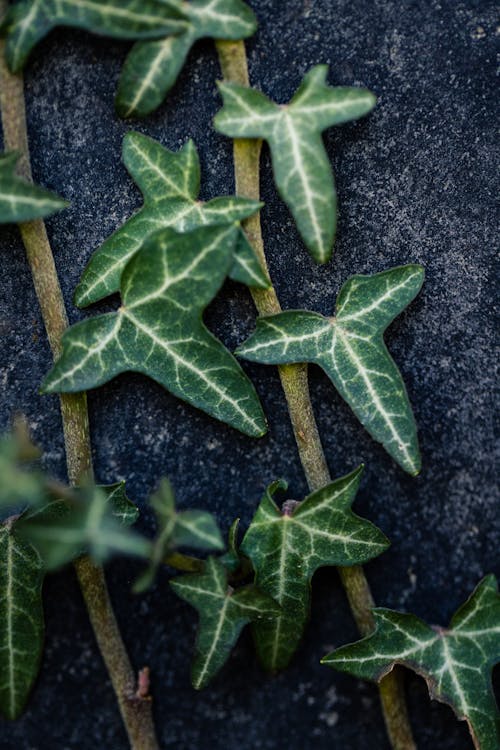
(416, 181)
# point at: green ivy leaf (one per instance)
(119, 505)
(20, 484)
(20, 200)
(159, 330)
(456, 662)
(190, 528)
(30, 21)
(223, 614)
(151, 68)
(21, 619)
(96, 524)
(351, 350)
(287, 547)
(170, 183)
(302, 172)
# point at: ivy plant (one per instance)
(456, 661)
(20, 200)
(152, 67)
(223, 613)
(288, 545)
(350, 348)
(302, 171)
(54, 525)
(170, 183)
(159, 331)
(29, 21)
(169, 262)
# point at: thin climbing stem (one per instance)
(233, 62)
(135, 708)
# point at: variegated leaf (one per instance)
(169, 182)
(223, 614)
(190, 528)
(119, 505)
(151, 68)
(20, 200)
(286, 548)
(29, 21)
(95, 523)
(351, 350)
(301, 168)
(159, 330)
(456, 662)
(21, 619)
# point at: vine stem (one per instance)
(135, 708)
(234, 66)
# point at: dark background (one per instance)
(416, 182)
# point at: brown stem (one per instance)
(234, 67)
(135, 710)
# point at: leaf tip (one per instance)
(79, 296)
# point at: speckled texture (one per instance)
(416, 181)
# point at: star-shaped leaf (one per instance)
(151, 68)
(20, 200)
(286, 548)
(94, 522)
(351, 350)
(159, 330)
(170, 183)
(190, 528)
(456, 662)
(302, 171)
(223, 614)
(21, 619)
(29, 21)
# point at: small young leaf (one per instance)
(20, 200)
(351, 350)
(301, 168)
(287, 547)
(151, 68)
(456, 662)
(19, 485)
(159, 330)
(120, 506)
(169, 182)
(21, 619)
(223, 614)
(29, 21)
(95, 525)
(190, 528)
